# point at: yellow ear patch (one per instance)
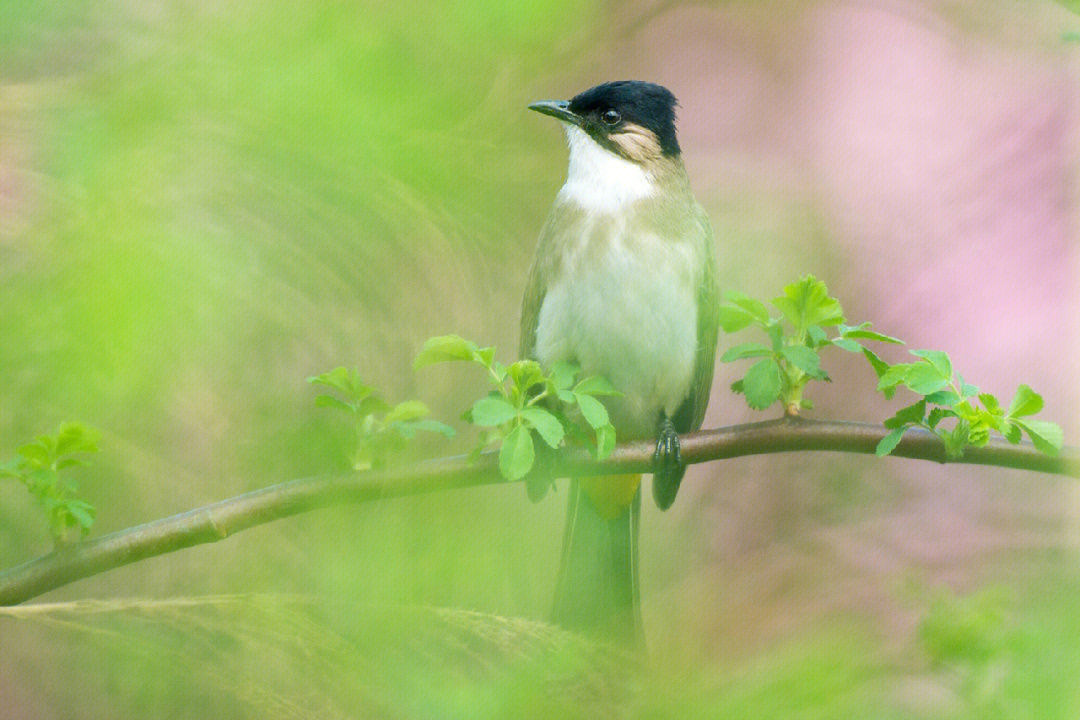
(610, 494)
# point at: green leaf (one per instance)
(776, 336)
(577, 434)
(332, 402)
(446, 348)
(517, 454)
(733, 318)
(1025, 402)
(1012, 432)
(737, 386)
(408, 410)
(943, 397)
(756, 308)
(807, 303)
(563, 374)
(990, 402)
(1046, 436)
(567, 396)
(605, 441)
(803, 358)
(35, 453)
(966, 390)
(592, 410)
(41, 480)
(997, 422)
(924, 378)
(345, 381)
(434, 426)
(75, 438)
(979, 433)
(525, 374)
(938, 359)
(911, 415)
(817, 336)
(82, 513)
(892, 377)
(745, 350)
(372, 404)
(889, 442)
(48, 442)
(484, 356)
(937, 415)
(546, 424)
(596, 385)
(879, 365)
(762, 384)
(492, 410)
(406, 430)
(845, 344)
(957, 439)
(863, 332)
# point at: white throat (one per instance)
(598, 179)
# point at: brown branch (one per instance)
(227, 517)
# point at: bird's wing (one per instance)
(691, 413)
(547, 255)
(535, 292)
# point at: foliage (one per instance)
(951, 408)
(39, 468)
(947, 396)
(791, 359)
(525, 403)
(380, 428)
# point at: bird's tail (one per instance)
(597, 589)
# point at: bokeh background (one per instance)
(202, 204)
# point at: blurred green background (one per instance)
(202, 204)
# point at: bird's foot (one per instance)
(668, 454)
(668, 466)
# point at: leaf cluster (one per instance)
(380, 428)
(950, 407)
(791, 357)
(40, 467)
(957, 411)
(525, 404)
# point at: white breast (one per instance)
(631, 316)
(598, 179)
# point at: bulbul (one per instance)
(624, 284)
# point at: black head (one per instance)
(615, 108)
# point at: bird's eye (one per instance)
(611, 117)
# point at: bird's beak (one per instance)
(558, 109)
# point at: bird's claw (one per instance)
(668, 467)
(668, 454)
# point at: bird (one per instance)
(623, 283)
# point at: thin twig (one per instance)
(220, 520)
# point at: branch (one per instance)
(220, 520)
